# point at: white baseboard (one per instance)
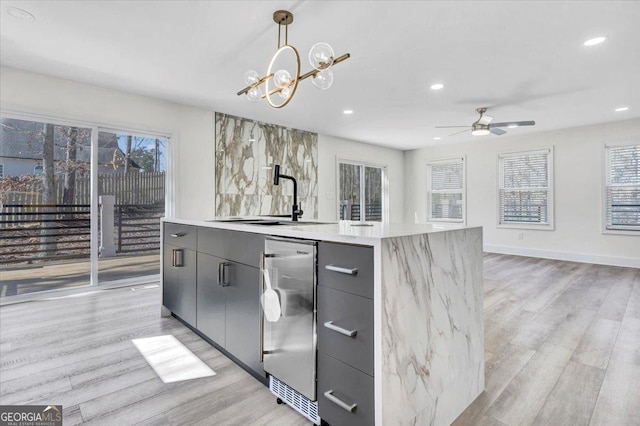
(631, 262)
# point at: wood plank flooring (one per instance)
(563, 344)
(562, 348)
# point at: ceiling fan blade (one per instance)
(457, 133)
(497, 131)
(513, 123)
(451, 127)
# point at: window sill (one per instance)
(537, 227)
(620, 232)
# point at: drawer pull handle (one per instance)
(329, 395)
(348, 271)
(179, 234)
(331, 326)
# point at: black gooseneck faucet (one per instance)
(295, 213)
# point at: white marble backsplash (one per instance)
(246, 151)
(432, 326)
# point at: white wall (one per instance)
(193, 133)
(331, 148)
(578, 166)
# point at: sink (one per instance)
(265, 222)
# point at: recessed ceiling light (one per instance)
(437, 138)
(20, 14)
(594, 41)
(347, 111)
(437, 86)
(512, 126)
(621, 109)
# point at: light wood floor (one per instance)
(562, 348)
(562, 344)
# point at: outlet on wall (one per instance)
(520, 235)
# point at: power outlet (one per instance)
(521, 235)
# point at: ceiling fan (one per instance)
(483, 125)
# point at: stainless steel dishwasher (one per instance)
(289, 339)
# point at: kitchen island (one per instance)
(427, 314)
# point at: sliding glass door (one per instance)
(131, 190)
(79, 205)
(361, 191)
(45, 200)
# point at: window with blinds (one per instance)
(622, 198)
(445, 190)
(525, 189)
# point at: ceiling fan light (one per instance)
(480, 132)
(595, 41)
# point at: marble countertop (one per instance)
(343, 231)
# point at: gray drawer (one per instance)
(241, 247)
(349, 313)
(346, 268)
(180, 235)
(348, 385)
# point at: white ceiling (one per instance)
(525, 60)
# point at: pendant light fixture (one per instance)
(279, 84)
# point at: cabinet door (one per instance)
(211, 299)
(170, 279)
(179, 286)
(243, 314)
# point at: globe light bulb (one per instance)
(282, 78)
(251, 77)
(285, 93)
(321, 56)
(323, 80)
(254, 94)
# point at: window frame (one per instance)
(550, 225)
(604, 183)
(385, 186)
(463, 191)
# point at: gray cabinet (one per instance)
(228, 294)
(211, 299)
(345, 334)
(179, 271)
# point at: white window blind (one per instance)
(622, 208)
(525, 188)
(445, 190)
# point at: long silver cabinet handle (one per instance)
(340, 403)
(261, 354)
(331, 326)
(348, 271)
(179, 234)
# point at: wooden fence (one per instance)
(132, 188)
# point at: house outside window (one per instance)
(1, 170)
(525, 189)
(622, 188)
(446, 194)
(37, 170)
